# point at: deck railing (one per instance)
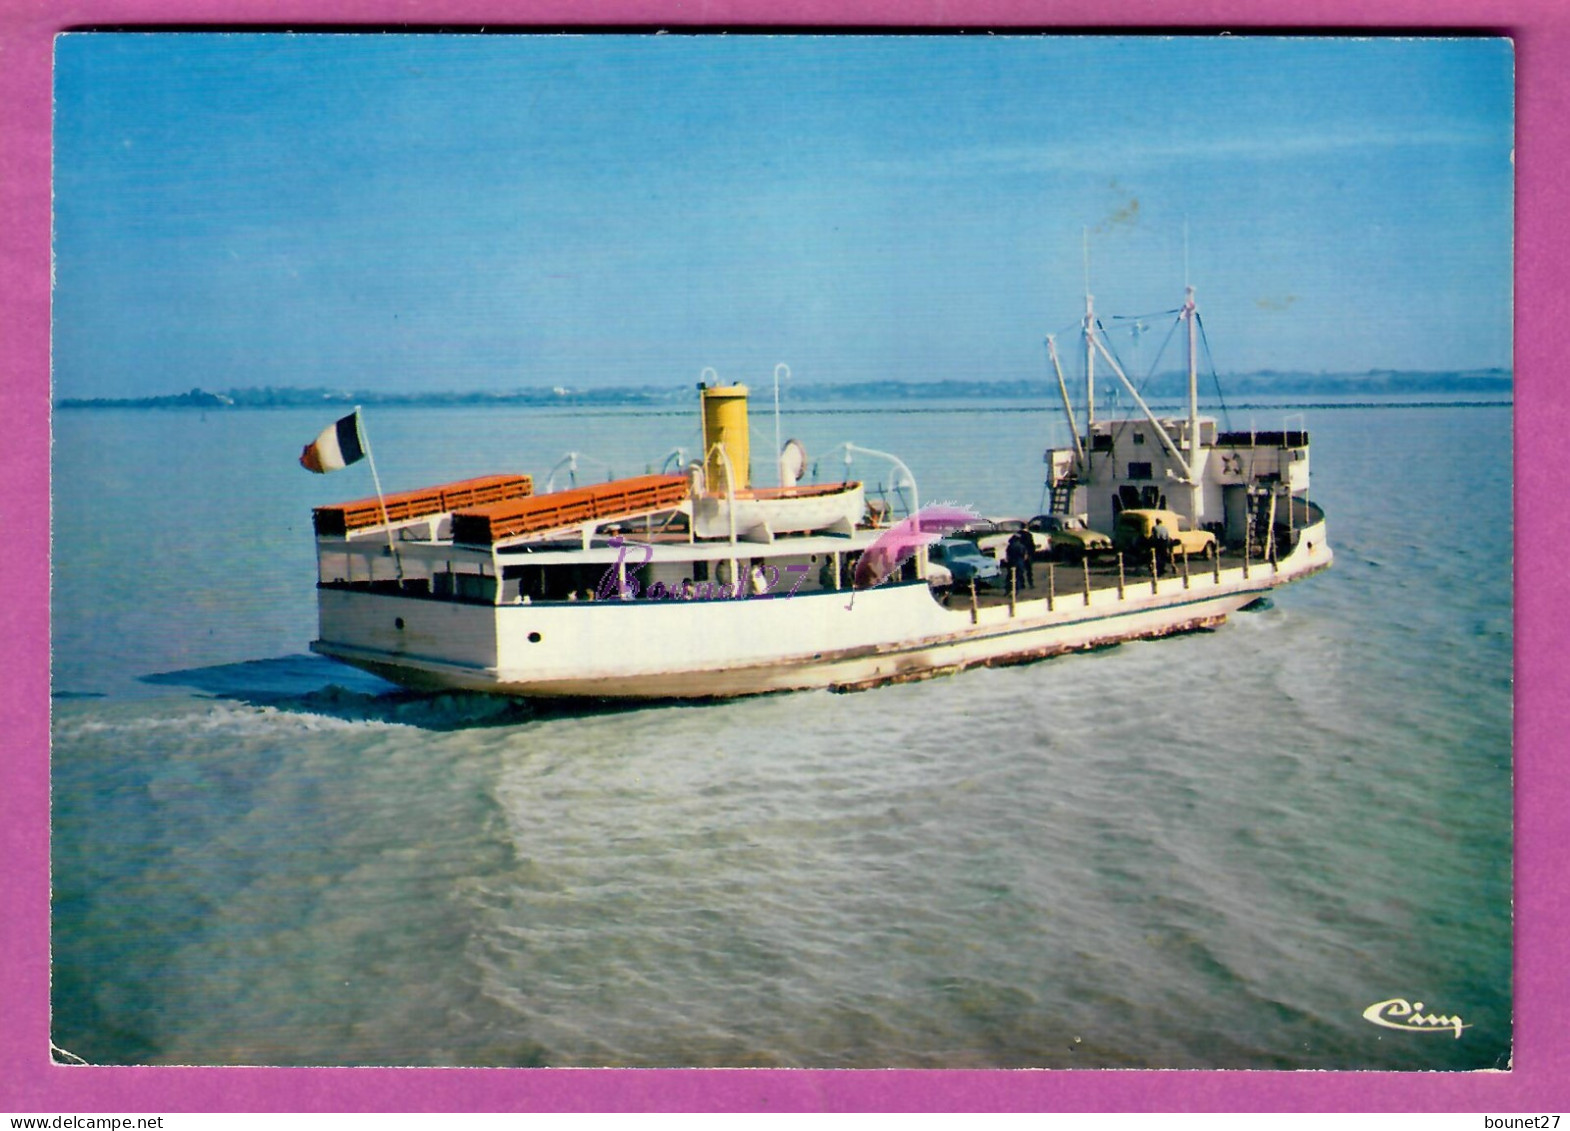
(560, 510)
(1138, 573)
(342, 518)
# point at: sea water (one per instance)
(1212, 851)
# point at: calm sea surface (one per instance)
(1211, 851)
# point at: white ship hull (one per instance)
(667, 587)
(680, 649)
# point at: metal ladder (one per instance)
(1262, 530)
(1063, 495)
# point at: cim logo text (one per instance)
(1408, 1016)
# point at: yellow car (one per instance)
(1135, 531)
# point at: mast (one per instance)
(1192, 315)
(1090, 367)
(1090, 350)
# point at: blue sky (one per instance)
(490, 212)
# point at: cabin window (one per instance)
(1139, 471)
(551, 583)
(472, 587)
(1139, 437)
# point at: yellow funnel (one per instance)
(725, 424)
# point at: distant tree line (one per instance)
(1163, 386)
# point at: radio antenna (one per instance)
(1185, 251)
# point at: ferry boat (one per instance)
(704, 585)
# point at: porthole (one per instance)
(535, 638)
(398, 624)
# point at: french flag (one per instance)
(336, 448)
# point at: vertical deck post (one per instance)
(1052, 587)
(975, 615)
(1185, 570)
(1084, 565)
(1120, 575)
(1246, 555)
(1215, 562)
(1155, 573)
(1013, 590)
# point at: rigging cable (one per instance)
(1152, 314)
(1226, 417)
(1160, 353)
(1144, 381)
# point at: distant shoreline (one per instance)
(1374, 389)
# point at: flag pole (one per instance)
(365, 441)
(779, 451)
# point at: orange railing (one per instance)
(406, 505)
(489, 524)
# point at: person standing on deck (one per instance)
(1162, 538)
(1027, 553)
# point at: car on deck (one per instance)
(956, 561)
(1068, 536)
(1135, 532)
(992, 535)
